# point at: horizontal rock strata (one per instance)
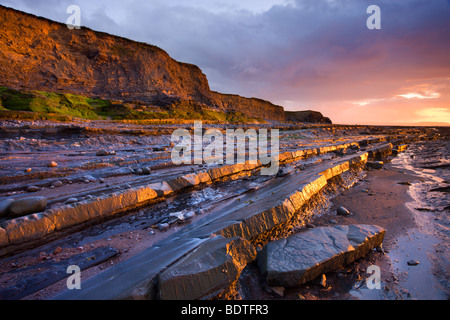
(165, 270)
(34, 230)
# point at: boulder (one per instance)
(304, 256)
(207, 271)
(23, 207)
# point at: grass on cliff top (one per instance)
(34, 105)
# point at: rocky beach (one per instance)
(78, 189)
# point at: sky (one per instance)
(301, 54)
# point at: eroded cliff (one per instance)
(40, 54)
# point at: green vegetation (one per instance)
(33, 105)
(49, 105)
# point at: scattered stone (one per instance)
(332, 221)
(71, 200)
(4, 207)
(304, 256)
(146, 170)
(32, 189)
(189, 215)
(341, 211)
(52, 164)
(28, 170)
(42, 255)
(102, 153)
(179, 216)
(412, 262)
(163, 226)
(57, 184)
(22, 207)
(406, 183)
(57, 250)
(310, 225)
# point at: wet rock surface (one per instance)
(306, 255)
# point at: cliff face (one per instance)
(40, 54)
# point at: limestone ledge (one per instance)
(210, 265)
(36, 227)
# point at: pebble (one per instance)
(146, 170)
(163, 226)
(32, 189)
(57, 184)
(341, 211)
(28, 170)
(413, 262)
(310, 225)
(52, 164)
(102, 153)
(71, 200)
(189, 215)
(57, 250)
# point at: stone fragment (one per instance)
(304, 256)
(22, 207)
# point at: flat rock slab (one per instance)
(205, 272)
(304, 256)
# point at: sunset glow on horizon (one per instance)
(300, 54)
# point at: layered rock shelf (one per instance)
(199, 251)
